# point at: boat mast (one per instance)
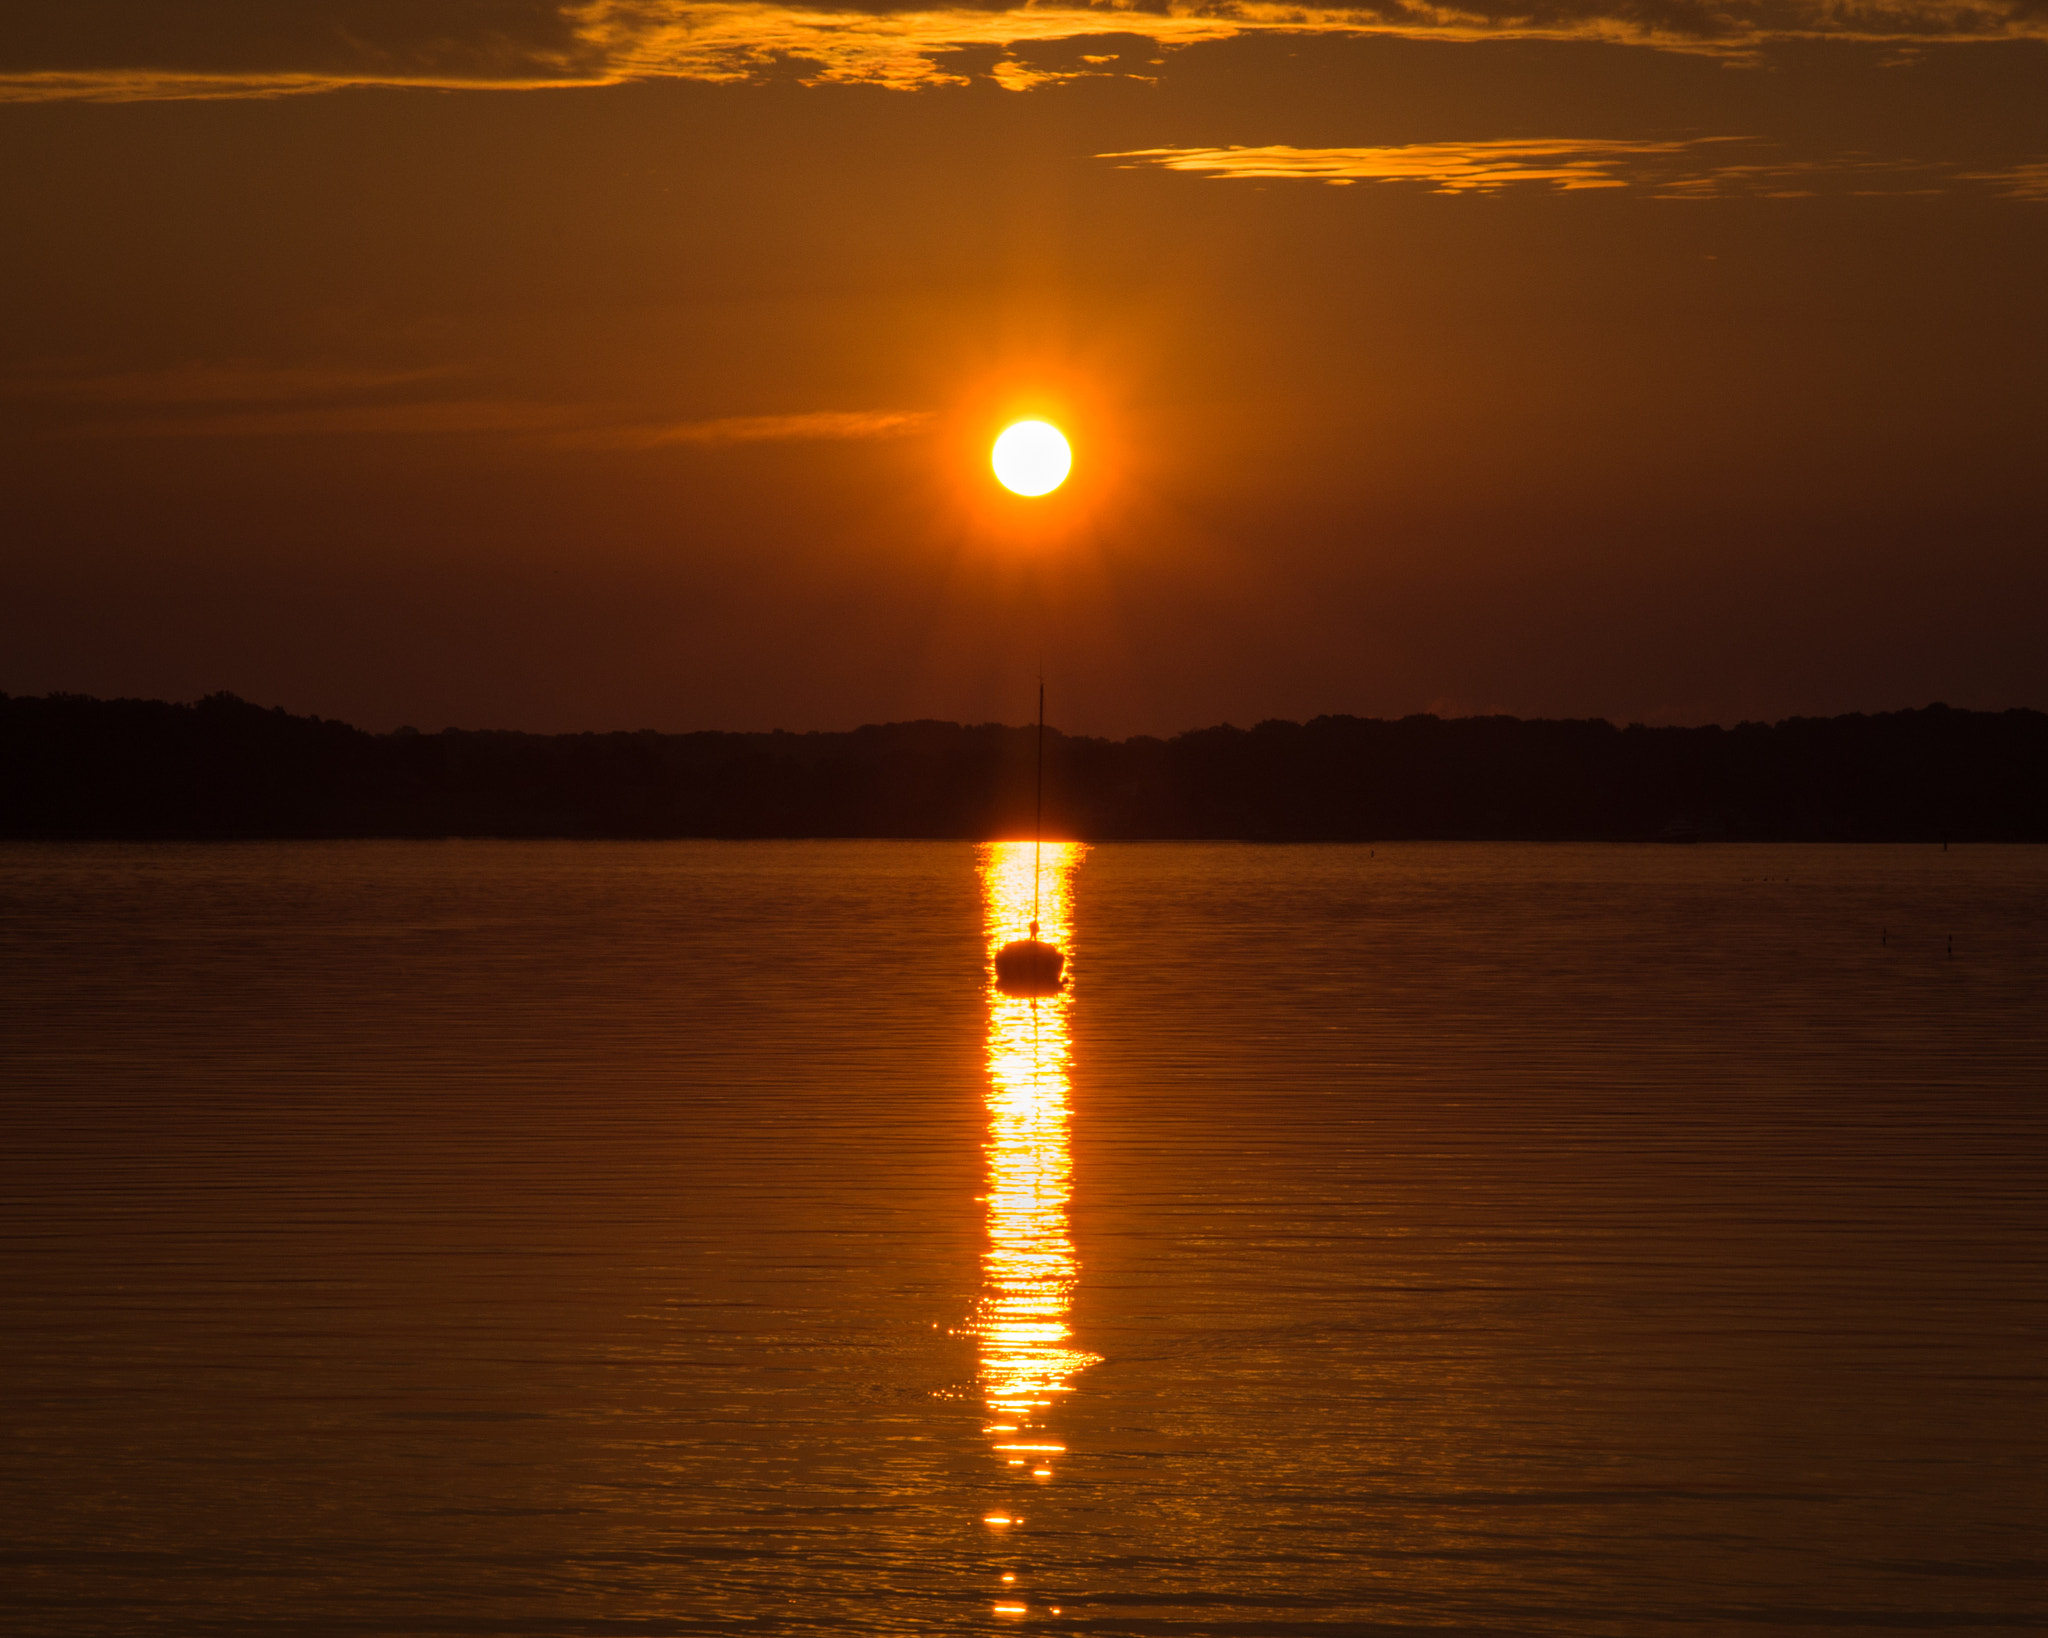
(1038, 812)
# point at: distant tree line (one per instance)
(76, 767)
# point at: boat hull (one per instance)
(1027, 966)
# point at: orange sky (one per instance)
(634, 364)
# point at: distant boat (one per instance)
(1026, 966)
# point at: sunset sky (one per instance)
(503, 363)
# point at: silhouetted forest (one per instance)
(80, 767)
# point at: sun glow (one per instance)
(1032, 458)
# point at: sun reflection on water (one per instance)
(1029, 1268)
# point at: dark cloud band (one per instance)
(120, 50)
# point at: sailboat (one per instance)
(1026, 966)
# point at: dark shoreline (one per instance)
(74, 768)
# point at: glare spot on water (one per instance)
(1029, 1268)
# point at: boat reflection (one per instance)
(1029, 1268)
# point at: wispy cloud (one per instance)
(812, 426)
(1691, 168)
(1449, 167)
(167, 401)
(521, 44)
(136, 50)
(2027, 180)
(171, 85)
(1853, 174)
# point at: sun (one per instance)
(1032, 458)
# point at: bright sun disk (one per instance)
(1032, 458)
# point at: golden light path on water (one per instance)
(1027, 1360)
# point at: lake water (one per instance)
(483, 1238)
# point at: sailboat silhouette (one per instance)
(1025, 966)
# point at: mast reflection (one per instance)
(1029, 1269)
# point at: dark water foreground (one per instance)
(593, 1239)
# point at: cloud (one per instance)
(899, 49)
(813, 426)
(713, 40)
(578, 426)
(136, 50)
(2028, 180)
(1693, 168)
(1451, 167)
(256, 399)
(132, 49)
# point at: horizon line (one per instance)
(225, 698)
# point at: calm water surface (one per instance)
(491, 1238)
